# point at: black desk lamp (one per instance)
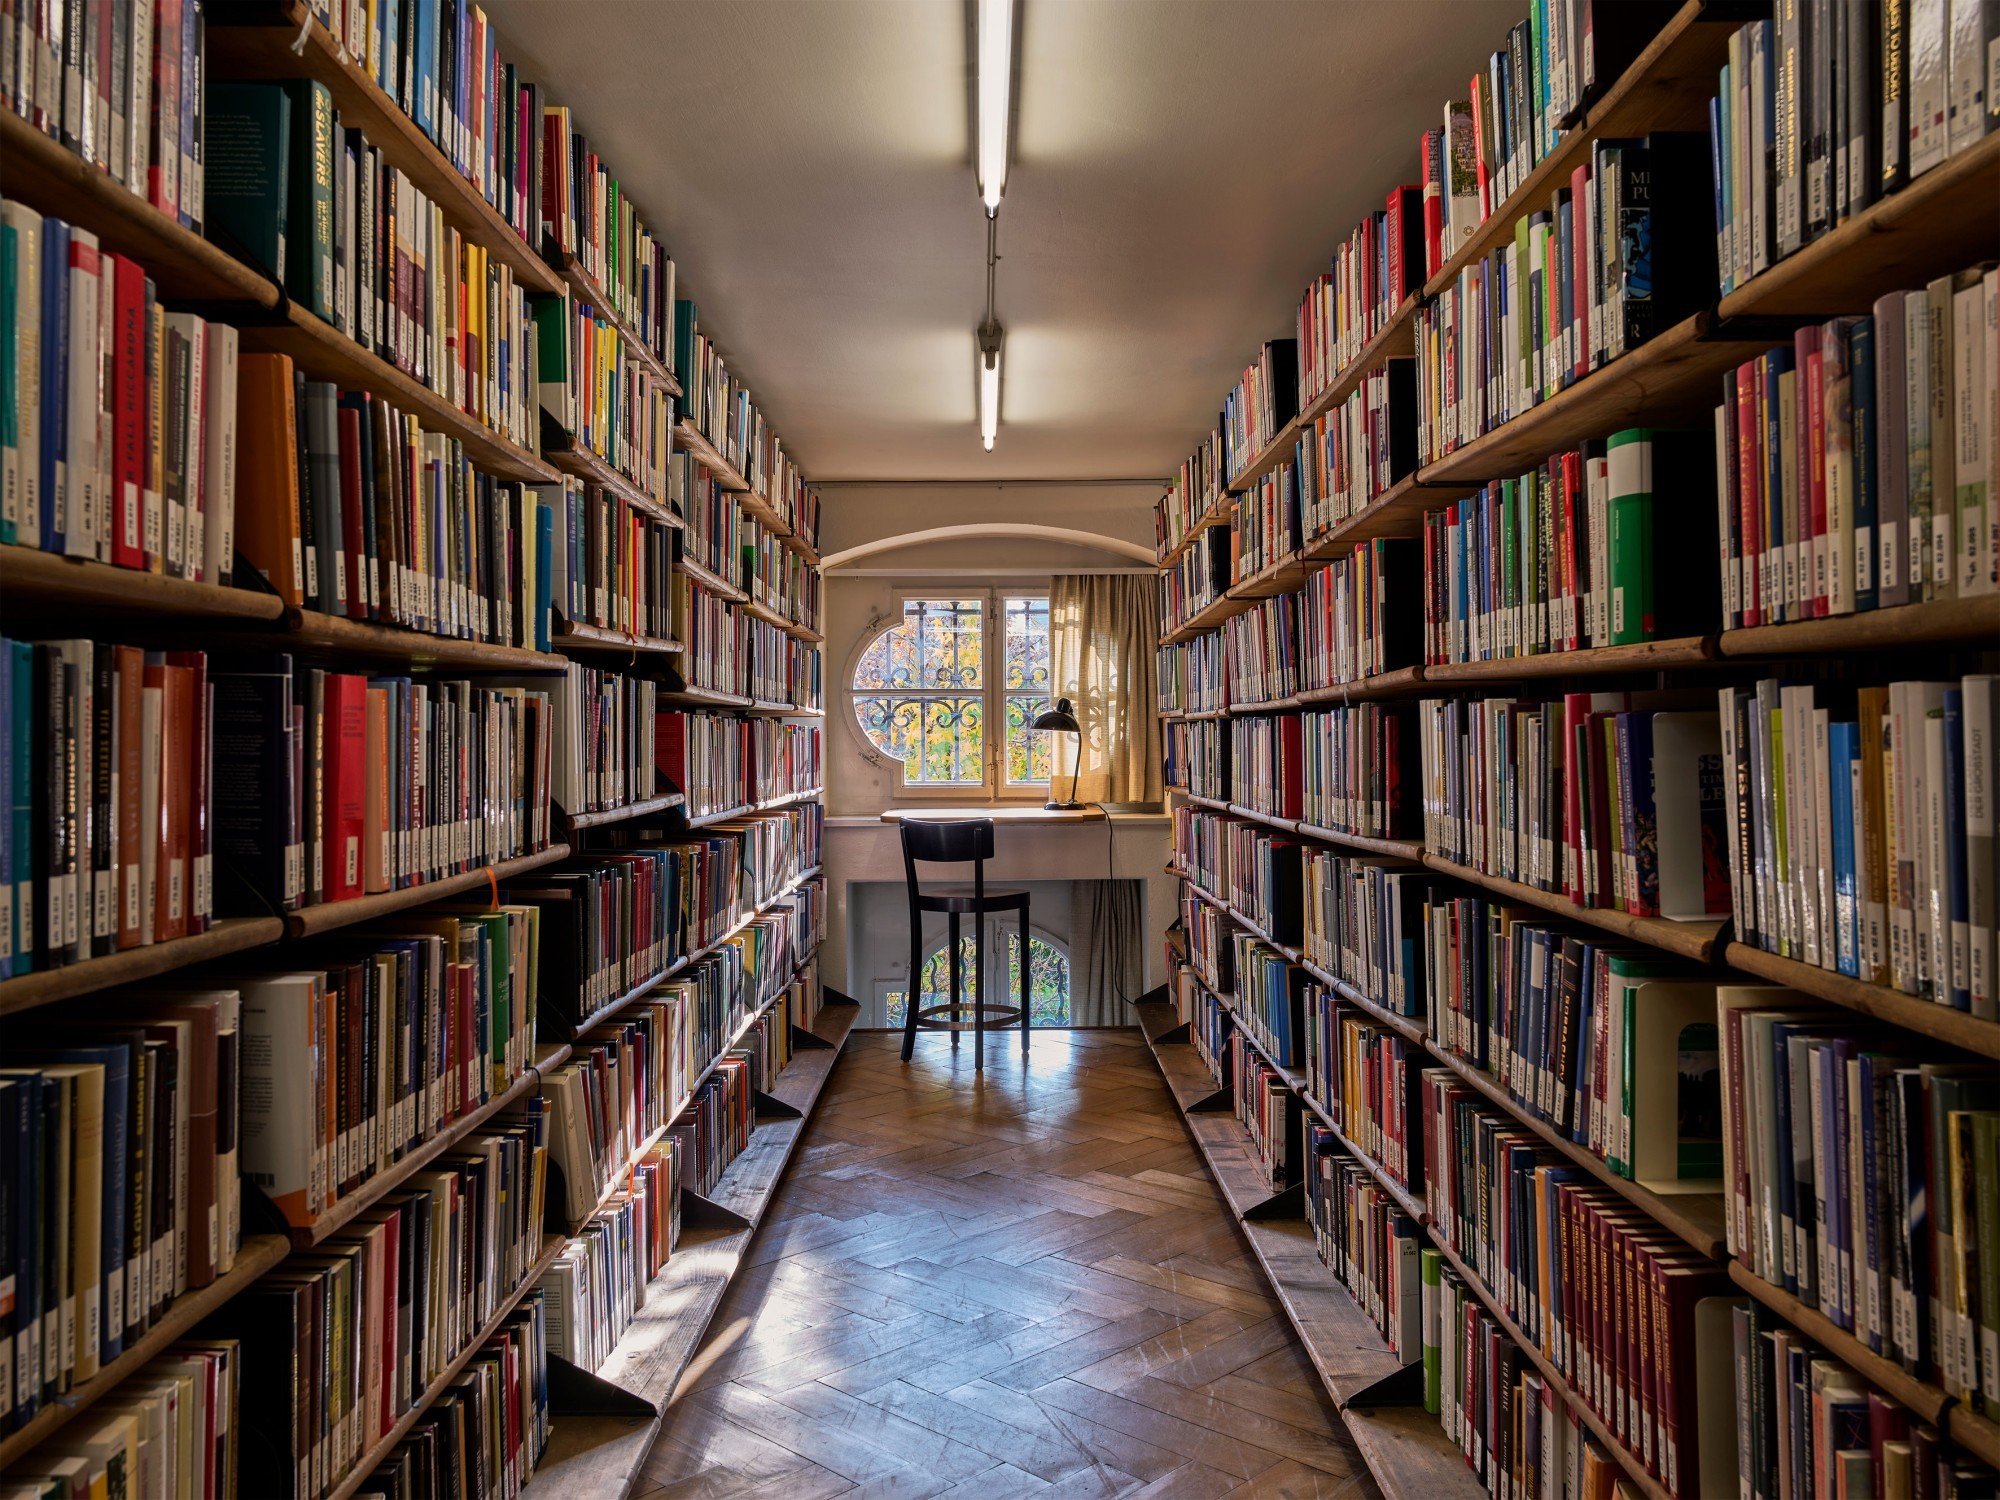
(1063, 720)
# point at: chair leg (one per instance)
(952, 948)
(979, 993)
(1021, 981)
(913, 995)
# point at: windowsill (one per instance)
(1008, 813)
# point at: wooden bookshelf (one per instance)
(1215, 511)
(1675, 653)
(758, 610)
(343, 1211)
(580, 463)
(625, 813)
(1929, 1018)
(1699, 941)
(597, 640)
(761, 709)
(273, 39)
(1973, 621)
(705, 453)
(46, 986)
(715, 583)
(186, 267)
(326, 916)
(584, 288)
(701, 697)
(754, 504)
(379, 1450)
(47, 581)
(256, 1255)
(321, 634)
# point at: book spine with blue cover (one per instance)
(1867, 478)
(55, 381)
(1843, 761)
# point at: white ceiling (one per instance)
(1181, 169)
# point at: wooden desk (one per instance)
(1008, 814)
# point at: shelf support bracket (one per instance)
(809, 1041)
(770, 1107)
(1221, 1101)
(1405, 1387)
(576, 1392)
(698, 1211)
(1286, 1203)
(1173, 1035)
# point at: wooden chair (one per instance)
(967, 841)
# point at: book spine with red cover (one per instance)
(346, 733)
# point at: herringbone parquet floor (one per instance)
(1021, 1284)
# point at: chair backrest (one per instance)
(959, 841)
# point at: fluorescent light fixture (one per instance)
(996, 73)
(989, 392)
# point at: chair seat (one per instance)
(961, 899)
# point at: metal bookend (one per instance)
(701, 1212)
(1286, 1203)
(575, 1392)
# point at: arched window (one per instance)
(1048, 980)
(926, 692)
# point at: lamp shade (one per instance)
(1061, 717)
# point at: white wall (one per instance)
(859, 847)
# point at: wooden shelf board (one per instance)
(254, 1256)
(1406, 849)
(256, 40)
(1942, 622)
(626, 812)
(758, 610)
(1667, 87)
(1639, 656)
(714, 582)
(1397, 683)
(1284, 576)
(759, 709)
(312, 630)
(594, 640)
(1411, 1028)
(383, 1183)
(1928, 1018)
(1668, 380)
(1400, 1446)
(1215, 512)
(1927, 230)
(581, 463)
(1209, 617)
(701, 697)
(583, 287)
(705, 453)
(323, 352)
(326, 916)
(1699, 941)
(45, 986)
(1397, 512)
(357, 1475)
(43, 579)
(187, 268)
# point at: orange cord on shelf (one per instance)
(492, 887)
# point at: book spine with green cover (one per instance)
(1630, 458)
(309, 244)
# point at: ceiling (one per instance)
(1181, 169)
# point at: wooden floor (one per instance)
(1021, 1284)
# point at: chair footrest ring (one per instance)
(991, 1016)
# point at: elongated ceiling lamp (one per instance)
(996, 78)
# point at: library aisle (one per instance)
(1025, 1285)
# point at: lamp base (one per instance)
(1062, 807)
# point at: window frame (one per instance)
(1001, 926)
(993, 789)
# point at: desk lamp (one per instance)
(1062, 720)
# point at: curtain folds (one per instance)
(1104, 632)
(1103, 952)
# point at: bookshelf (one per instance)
(550, 468)
(1906, 238)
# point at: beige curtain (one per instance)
(1104, 634)
(1103, 951)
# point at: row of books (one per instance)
(1193, 675)
(1366, 926)
(720, 763)
(1369, 1243)
(600, 394)
(716, 1126)
(1355, 452)
(715, 524)
(1821, 111)
(1269, 1113)
(374, 1043)
(1365, 1077)
(604, 746)
(1265, 399)
(621, 1085)
(1355, 763)
(1621, 253)
(719, 407)
(1374, 270)
(1210, 939)
(1197, 757)
(1860, 1177)
(1854, 467)
(597, 1283)
(1357, 616)
(610, 566)
(105, 1222)
(171, 1429)
(1261, 650)
(1265, 523)
(1266, 1004)
(355, 242)
(1198, 577)
(121, 86)
(775, 667)
(1591, 548)
(586, 213)
(1190, 493)
(776, 576)
(342, 1345)
(118, 419)
(1856, 835)
(1599, 796)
